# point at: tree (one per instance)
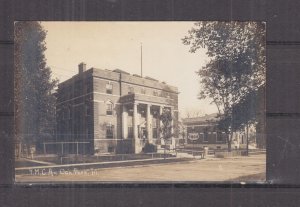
(245, 113)
(34, 97)
(181, 129)
(193, 113)
(236, 68)
(166, 128)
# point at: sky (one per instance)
(111, 45)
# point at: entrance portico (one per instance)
(141, 122)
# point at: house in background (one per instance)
(203, 132)
(112, 111)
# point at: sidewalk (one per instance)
(37, 161)
(98, 165)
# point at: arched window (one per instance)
(109, 108)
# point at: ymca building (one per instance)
(112, 111)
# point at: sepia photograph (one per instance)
(138, 101)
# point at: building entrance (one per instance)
(143, 133)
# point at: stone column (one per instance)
(124, 123)
(238, 140)
(172, 122)
(135, 128)
(160, 125)
(149, 123)
(172, 128)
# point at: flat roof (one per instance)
(123, 76)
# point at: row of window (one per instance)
(66, 113)
(110, 132)
(109, 90)
(109, 107)
(143, 91)
(218, 136)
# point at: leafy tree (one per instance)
(166, 128)
(34, 97)
(181, 129)
(245, 111)
(236, 68)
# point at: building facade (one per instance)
(112, 111)
(203, 132)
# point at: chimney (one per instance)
(81, 67)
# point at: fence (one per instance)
(77, 147)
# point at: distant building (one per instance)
(202, 132)
(112, 111)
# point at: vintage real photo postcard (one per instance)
(140, 101)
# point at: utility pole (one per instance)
(141, 59)
(247, 135)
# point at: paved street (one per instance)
(237, 169)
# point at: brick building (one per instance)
(202, 132)
(112, 111)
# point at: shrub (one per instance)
(148, 148)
